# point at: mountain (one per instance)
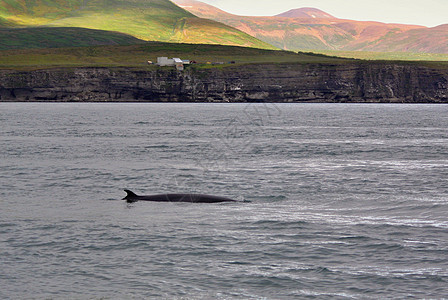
(425, 40)
(306, 12)
(312, 29)
(155, 20)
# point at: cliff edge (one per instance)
(357, 82)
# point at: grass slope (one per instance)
(152, 20)
(57, 37)
(138, 55)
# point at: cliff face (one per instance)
(351, 82)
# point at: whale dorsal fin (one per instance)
(130, 193)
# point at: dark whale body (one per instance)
(192, 198)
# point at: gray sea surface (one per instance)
(346, 201)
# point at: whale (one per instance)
(131, 197)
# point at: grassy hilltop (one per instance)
(151, 20)
(137, 56)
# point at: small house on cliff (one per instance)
(173, 62)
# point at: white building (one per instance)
(165, 61)
(177, 62)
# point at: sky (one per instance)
(419, 12)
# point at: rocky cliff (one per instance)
(346, 82)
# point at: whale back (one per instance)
(131, 197)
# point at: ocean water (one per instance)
(346, 201)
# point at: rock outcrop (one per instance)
(345, 82)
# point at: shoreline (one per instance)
(351, 82)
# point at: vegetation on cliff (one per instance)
(137, 55)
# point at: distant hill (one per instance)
(154, 20)
(310, 29)
(306, 12)
(426, 40)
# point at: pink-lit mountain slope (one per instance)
(312, 29)
(306, 12)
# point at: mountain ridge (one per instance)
(307, 33)
(306, 12)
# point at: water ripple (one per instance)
(347, 201)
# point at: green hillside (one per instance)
(57, 37)
(138, 55)
(151, 20)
